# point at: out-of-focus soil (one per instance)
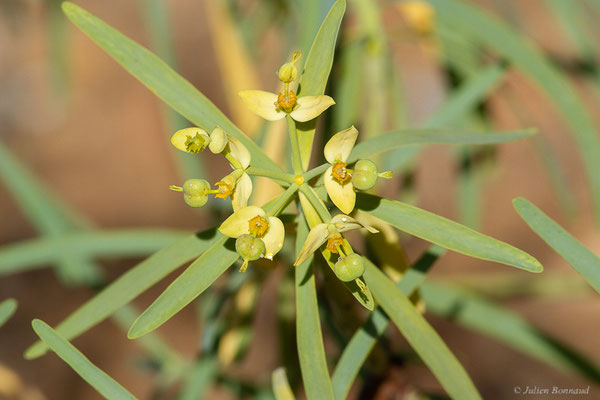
(104, 151)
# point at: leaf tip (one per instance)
(137, 329)
(34, 351)
(68, 7)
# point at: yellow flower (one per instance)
(191, 140)
(337, 178)
(419, 15)
(329, 233)
(273, 107)
(236, 185)
(254, 221)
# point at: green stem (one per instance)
(296, 158)
(315, 202)
(275, 175)
(315, 172)
(278, 205)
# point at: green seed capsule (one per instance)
(249, 247)
(349, 268)
(194, 192)
(288, 73)
(364, 176)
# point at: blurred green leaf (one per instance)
(309, 337)
(577, 255)
(478, 25)
(462, 100)
(189, 285)
(199, 378)
(420, 335)
(348, 85)
(46, 214)
(445, 233)
(361, 344)
(97, 378)
(7, 309)
(129, 285)
(316, 72)
(29, 254)
(407, 137)
(482, 316)
(161, 79)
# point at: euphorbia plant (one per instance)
(321, 204)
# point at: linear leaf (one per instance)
(7, 309)
(316, 72)
(161, 79)
(104, 384)
(478, 25)
(421, 336)
(189, 285)
(364, 339)
(408, 137)
(577, 255)
(474, 312)
(25, 255)
(311, 351)
(129, 285)
(445, 233)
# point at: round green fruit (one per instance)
(364, 176)
(249, 247)
(349, 268)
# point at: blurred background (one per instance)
(91, 139)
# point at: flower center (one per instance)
(286, 103)
(340, 172)
(195, 144)
(258, 226)
(225, 189)
(333, 243)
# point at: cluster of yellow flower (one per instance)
(258, 233)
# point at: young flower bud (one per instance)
(195, 192)
(218, 140)
(349, 268)
(250, 248)
(365, 175)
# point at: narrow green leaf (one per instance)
(98, 379)
(474, 312)
(157, 15)
(446, 233)
(7, 309)
(455, 108)
(189, 285)
(316, 72)
(364, 339)
(155, 74)
(408, 137)
(129, 285)
(421, 336)
(311, 351)
(29, 254)
(481, 27)
(577, 255)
